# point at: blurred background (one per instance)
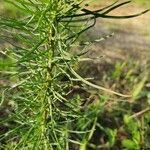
(125, 53)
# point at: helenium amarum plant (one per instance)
(46, 111)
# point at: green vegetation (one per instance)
(144, 3)
(47, 105)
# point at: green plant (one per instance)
(45, 109)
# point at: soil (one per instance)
(131, 37)
(130, 42)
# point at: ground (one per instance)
(130, 40)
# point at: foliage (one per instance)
(42, 106)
